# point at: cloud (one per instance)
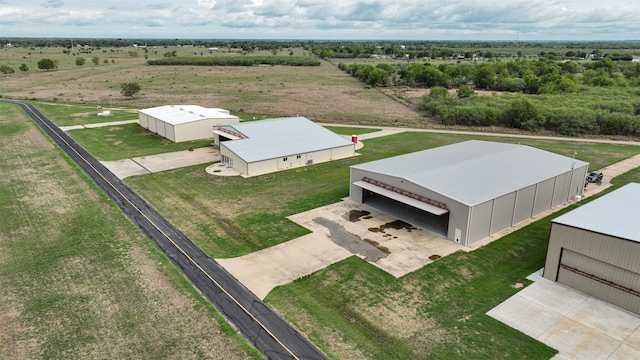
(53, 4)
(327, 19)
(207, 3)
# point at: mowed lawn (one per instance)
(77, 279)
(352, 309)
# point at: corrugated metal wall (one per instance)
(596, 264)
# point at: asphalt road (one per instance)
(267, 331)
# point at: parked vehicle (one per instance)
(594, 177)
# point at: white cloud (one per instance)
(326, 19)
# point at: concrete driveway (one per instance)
(160, 162)
(579, 326)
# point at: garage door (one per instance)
(436, 224)
(605, 281)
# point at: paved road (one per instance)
(388, 130)
(268, 332)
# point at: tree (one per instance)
(47, 64)
(80, 61)
(24, 67)
(377, 77)
(485, 76)
(95, 60)
(522, 114)
(130, 89)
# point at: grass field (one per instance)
(320, 92)
(77, 279)
(67, 251)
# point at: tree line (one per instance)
(598, 97)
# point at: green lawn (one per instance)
(77, 279)
(67, 114)
(350, 130)
(127, 141)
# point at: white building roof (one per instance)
(474, 171)
(180, 114)
(274, 138)
(614, 214)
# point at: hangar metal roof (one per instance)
(274, 138)
(180, 114)
(614, 214)
(474, 171)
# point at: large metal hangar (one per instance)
(469, 190)
(180, 123)
(260, 147)
(596, 248)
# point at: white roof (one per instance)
(474, 171)
(615, 214)
(273, 138)
(180, 114)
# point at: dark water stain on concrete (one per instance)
(384, 249)
(356, 215)
(352, 243)
(396, 224)
(434, 257)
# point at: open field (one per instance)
(318, 92)
(77, 279)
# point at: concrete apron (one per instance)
(338, 231)
(155, 163)
(577, 325)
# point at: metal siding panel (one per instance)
(152, 124)
(170, 132)
(161, 128)
(544, 196)
(560, 189)
(524, 204)
(480, 223)
(503, 212)
(143, 120)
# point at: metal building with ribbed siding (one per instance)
(260, 147)
(180, 123)
(468, 191)
(596, 248)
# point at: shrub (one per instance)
(5, 69)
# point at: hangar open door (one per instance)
(415, 212)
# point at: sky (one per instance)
(508, 20)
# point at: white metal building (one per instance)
(469, 190)
(180, 123)
(260, 147)
(595, 248)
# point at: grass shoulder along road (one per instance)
(77, 279)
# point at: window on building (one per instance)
(285, 158)
(298, 156)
